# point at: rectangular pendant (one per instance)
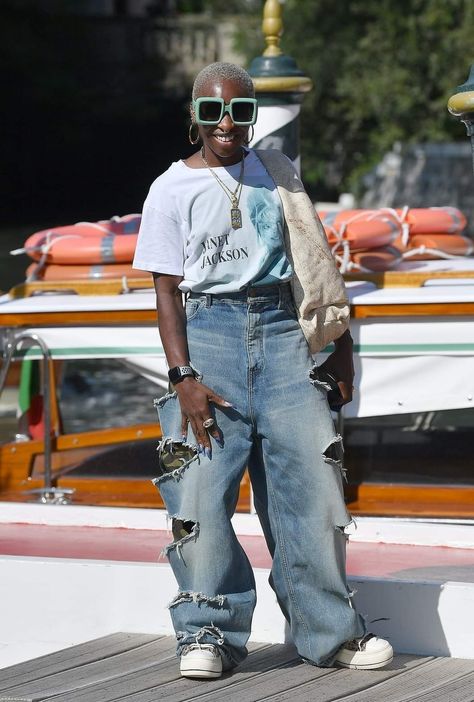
(236, 218)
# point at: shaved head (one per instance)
(218, 72)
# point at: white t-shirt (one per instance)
(186, 229)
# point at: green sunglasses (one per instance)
(211, 110)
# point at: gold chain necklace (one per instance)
(234, 197)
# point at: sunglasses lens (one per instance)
(210, 111)
(243, 111)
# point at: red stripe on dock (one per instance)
(141, 545)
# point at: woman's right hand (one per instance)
(194, 399)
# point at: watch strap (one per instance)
(177, 373)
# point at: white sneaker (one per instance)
(201, 661)
(366, 653)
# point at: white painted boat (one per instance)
(414, 358)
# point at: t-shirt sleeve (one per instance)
(160, 244)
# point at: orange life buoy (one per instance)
(382, 258)
(106, 241)
(362, 229)
(429, 220)
(57, 273)
(74, 249)
(422, 247)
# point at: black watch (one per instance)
(177, 373)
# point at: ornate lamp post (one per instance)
(280, 87)
(461, 105)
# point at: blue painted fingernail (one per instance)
(201, 448)
(220, 442)
(183, 438)
(207, 451)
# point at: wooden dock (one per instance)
(143, 668)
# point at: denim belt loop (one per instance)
(208, 299)
(281, 293)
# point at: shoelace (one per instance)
(359, 644)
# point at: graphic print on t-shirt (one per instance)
(265, 216)
(217, 249)
(186, 229)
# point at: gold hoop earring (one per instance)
(249, 139)
(193, 140)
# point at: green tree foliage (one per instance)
(220, 7)
(383, 71)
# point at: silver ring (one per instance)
(208, 423)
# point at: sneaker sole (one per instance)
(365, 666)
(197, 673)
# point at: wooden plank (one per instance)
(108, 690)
(350, 682)
(128, 663)
(410, 509)
(432, 677)
(104, 317)
(408, 500)
(306, 682)
(176, 689)
(406, 279)
(72, 657)
(275, 680)
(459, 690)
(150, 681)
(112, 492)
(261, 685)
(386, 279)
(118, 317)
(143, 668)
(131, 492)
(111, 286)
(15, 461)
(15, 456)
(432, 309)
(114, 435)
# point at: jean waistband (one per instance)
(249, 293)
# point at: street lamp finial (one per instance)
(272, 27)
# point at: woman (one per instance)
(241, 240)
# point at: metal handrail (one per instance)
(11, 346)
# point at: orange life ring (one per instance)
(362, 229)
(422, 247)
(429, 220)
(382, 258)
(57, 273)
(106, 241)
(75, 249)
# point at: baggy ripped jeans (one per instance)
(250, 349)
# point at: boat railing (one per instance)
(48, 493)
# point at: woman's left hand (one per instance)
(341, 365)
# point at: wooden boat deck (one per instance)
(143, 668)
